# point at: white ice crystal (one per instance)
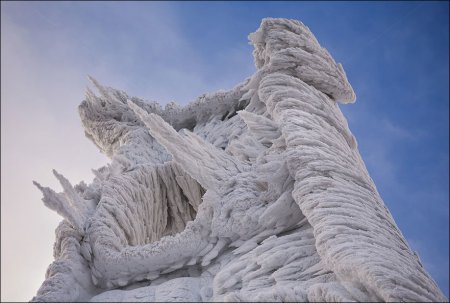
(255, 194)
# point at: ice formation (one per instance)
(254, 194)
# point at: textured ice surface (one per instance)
(255, 194)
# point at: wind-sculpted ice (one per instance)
(255, 194)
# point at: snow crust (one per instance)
(254, 194)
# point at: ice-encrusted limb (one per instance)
(207, 164)
(67, 204)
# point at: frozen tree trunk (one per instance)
(255, 194)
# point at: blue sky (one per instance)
(395, 55)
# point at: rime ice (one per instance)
(255, 194)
